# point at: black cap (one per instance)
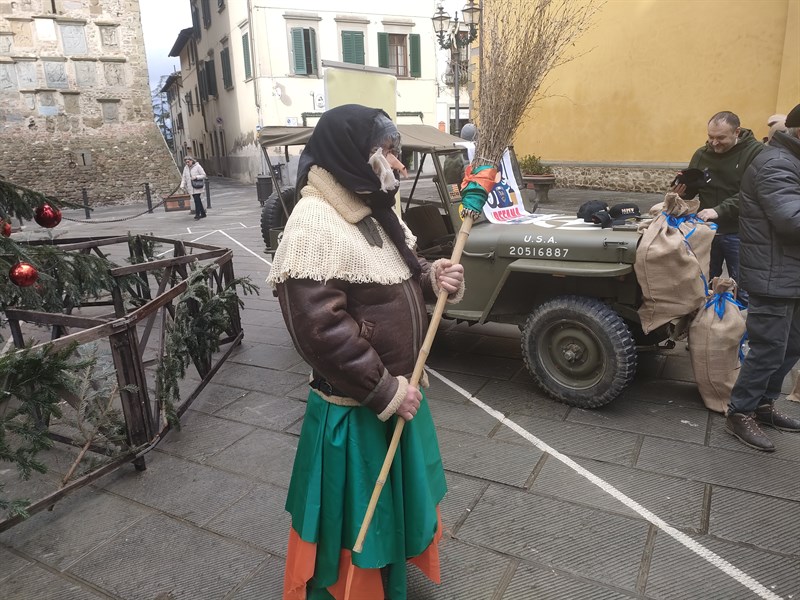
(793, 118)
(589, 208)
(693, 179)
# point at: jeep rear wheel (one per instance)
(272, 215)
(579, 351)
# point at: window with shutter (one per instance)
(353, 47)
(304, 50)
(398, 55)
(225, 59)
(211, 75)
(383, 50)
(246, 54)
(201, 81)
(204, 6)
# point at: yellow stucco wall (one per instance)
(650, 73)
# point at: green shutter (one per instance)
(246, 54)
(414, 53)
(299, 52)
(348, 54)
(312, 42)
(358, 47)
(353, 47)
(383, 50)
(227, 76)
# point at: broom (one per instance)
(525, 40)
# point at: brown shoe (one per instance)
(767, 415)
(744, 427)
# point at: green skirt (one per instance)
(339, 456)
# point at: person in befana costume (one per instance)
(352, 292)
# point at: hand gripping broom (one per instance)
(525, 40)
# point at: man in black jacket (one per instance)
(769, 227)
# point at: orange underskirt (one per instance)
(366, 584)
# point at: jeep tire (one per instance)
(272, 215)
(579, 351)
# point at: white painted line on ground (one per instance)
(703, 552)
(194, 240)
(235, 241)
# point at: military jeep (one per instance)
(568, 285)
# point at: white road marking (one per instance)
(194, 240)
(703, 552)
(235, 241)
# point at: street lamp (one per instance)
(452, 37)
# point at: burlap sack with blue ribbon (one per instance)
(672, 262)
(716, 336)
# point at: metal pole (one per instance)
(456, 66)
(86, 208)
(148, 197)
(208, 193)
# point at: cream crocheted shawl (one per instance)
(321, 240)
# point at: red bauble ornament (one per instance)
(23, 274)
(5, 229)
(47, 216)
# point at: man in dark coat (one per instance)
(769, 226)
(726, 155)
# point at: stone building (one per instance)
(75, 104)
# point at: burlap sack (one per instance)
(794, 396)
(670, 272)
(715, 340)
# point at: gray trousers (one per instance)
(773, 331)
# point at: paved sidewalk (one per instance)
(645, 498)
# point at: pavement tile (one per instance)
(589, 543)
(269, 381)
(263, 318)
(265, 355)
(462, 360)
(768, 523)
(628, 414)
(677, 573)
(263, 410)
(181, 488)
(259, 518)
(202, 436)
(159, 555)
(439, 390)
(461, 495)
(492, 460)
(462, 417)
(663, 391)
(536, 582)
(467, 572)
(36, 583)
(266, 584)
(574, 439)
(215, 396)
(77, 525)
(514, 399)
(676, 501)
(263, 455)
(10, 563)
(754, 471)
(678, 365)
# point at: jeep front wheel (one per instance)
(579, 351)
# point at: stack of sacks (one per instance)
(672, 262)
(716, 336)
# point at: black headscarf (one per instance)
(342, 143)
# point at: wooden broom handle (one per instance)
(416, 376)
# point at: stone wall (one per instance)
(75, 107)
(623, 178)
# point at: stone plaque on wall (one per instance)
(55, 74)
(85, 73)
(115, 74)
(110, 110)
(45, 30)
(26, 74)
(73, 38)
(29, 100)
(6, 43)
(48, 106)
(108, 35)
(71, 103)
(8, 77)
(23, 37)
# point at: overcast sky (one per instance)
(162, 21)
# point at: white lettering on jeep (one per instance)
(538, 251)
